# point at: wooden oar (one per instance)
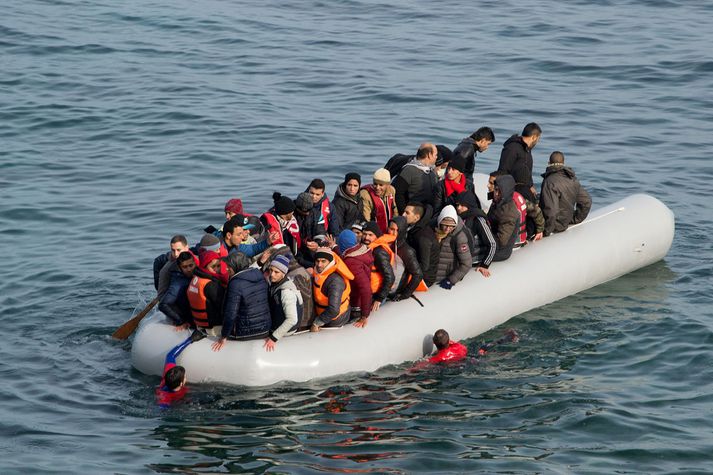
(125, 331)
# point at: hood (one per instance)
(468, 141)
(203, 274)
(506, 184)
(425, 220)
(448, 212)
(515, 139)
(356, 251)
(400, 222)
(559, 168)
(340, 193)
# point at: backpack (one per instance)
(396, 163)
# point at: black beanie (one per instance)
(457, 163)
(352, 176)
(444, 155)
(374, 228)
(284, 205)
(467, 199)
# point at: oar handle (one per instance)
(125, 331)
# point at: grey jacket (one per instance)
(563, 199)
(455, 259)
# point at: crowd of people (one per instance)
(310, 263)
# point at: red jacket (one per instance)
(359, 260)
(454, 352)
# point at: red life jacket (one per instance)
(383, 213)
(324, 213)
(164, 396)
(454, 352)
(291, 227)
(522, 208)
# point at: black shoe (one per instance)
(197, 335)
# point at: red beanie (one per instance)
(207, 256)
(234, 205)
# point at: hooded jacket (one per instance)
(303, 281)
(285, 308)
(346, 209)
(359, 260)
(454, 257)
(422, 239)
(416, 182)
(413, 275)
(563, 199)
(246, 312)
(484, 245)
(516, 160)
(504, 218)
(468, 150)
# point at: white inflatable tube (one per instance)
(620, 238)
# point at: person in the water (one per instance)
(448, 350)
(173, 384)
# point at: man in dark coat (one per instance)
(174, 303)
(516, 159)
(476, 222)
(469, 147)
(563, 199)
(412, 275)
(347, 202)
(417, 180)
(422, 238)
(453, 184)
(246, 309)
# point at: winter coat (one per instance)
(285, 308)
(441, 200)
(346, 209)
(504, 218)
(516, 160)
(359, 260)
(416, 182)
(158, 264)
(368, 207)
(454, 257)
(428, 250)
(468, 150)
(174, 303)
(563, 199)
(246, 312)
(484, 245)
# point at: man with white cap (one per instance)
(284, 299)
(379, 200)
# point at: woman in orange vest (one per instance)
(330, 290)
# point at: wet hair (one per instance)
(230, 225)
(418, 208)
(557, 157)
(174, 377)
(179, 238)
(441, 339)
(317, 184)
(531, 129)
(424, 151)
(498, 173)
(483, 133)
(184, 256)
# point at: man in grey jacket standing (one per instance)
(563, 199)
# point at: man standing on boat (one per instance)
(516, 159)
(563, 199)
(469, 147)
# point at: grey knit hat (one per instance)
(210, 243)
(304, 202)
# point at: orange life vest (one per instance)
(321, 301)
(198, 301)
(384, 242)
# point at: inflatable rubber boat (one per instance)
(615, 240)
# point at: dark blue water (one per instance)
(123, 123)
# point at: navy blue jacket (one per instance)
(174, 303)
(246, 311)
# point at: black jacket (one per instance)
(504, 218)
(516, 160)
(345, 209)
(563, 199)
(246, 312)
(382, 264)
(440, 200)
(413, 275)
(468, 150)
(415, 183)
(484, 246)
(174, 303)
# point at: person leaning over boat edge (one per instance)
(330, 290)
(285, 301)
(471, 146)
(563, 200)
(246, 311)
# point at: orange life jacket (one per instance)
(198, 301)
(321, 301)
(384, 242)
